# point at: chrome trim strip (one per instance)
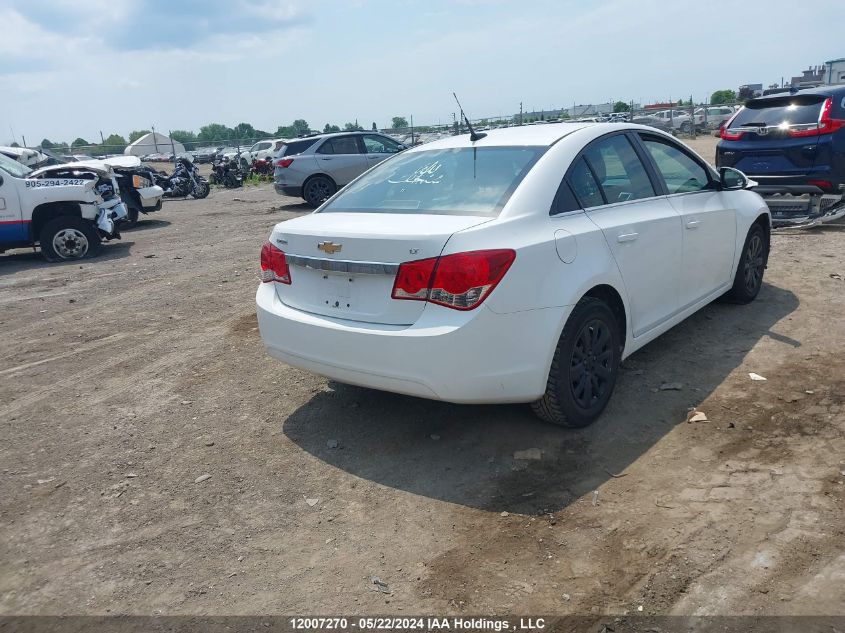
(341, 265)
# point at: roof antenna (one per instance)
(473, 135)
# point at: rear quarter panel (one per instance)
(538, 278)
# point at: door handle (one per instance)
(324, 158)
(627, 237)
(693, 224)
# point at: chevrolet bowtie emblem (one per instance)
(329, 247)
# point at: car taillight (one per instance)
(461, 281)
(414, 279)
(824, 185)
(284, 162)
(274, 266)
(725, 134)
(826, 125)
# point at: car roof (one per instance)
(324, 135)
(531, 135)
(824, 91)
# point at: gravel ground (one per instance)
(155, 460)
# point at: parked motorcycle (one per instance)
(262, 167)
(184, 181)
(226, 174)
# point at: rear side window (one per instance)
(296, 147)
(790, 110)
(455, 181)
(618, 169)
(584, 185)
(343, 145)
(565, 200)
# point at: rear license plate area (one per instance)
(337, 291)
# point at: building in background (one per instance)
(834, 71)
(809, 78)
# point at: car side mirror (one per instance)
(731, 178)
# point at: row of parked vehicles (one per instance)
(792, 146)
(257, 151)
(703, 119)
(69, 205)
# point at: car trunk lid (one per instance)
(344, 264)
(766, 138)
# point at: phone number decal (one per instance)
(57, 182)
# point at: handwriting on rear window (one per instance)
(425, 175)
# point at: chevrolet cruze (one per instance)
(518, 267)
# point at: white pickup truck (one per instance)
(67, 217)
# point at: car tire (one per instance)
(685, 127)
(68, 237)
(752, 263)
(317, 190)
(132, 217)
(577, 369)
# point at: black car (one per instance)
(793, 145)
(204, 155)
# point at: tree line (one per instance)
(212, 134)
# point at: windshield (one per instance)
(13, 167)
(457, 181)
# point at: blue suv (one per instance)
(793, 145)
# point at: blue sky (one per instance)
(73, 68)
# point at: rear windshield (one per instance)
(787, 110)
(296, 147)
(457, 181)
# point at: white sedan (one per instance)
(521, 267)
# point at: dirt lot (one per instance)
(126, 378)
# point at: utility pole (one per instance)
(520, 112)
(692, 117)
(412, 129)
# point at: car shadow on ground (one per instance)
(145, 224)
(296, 206)
(465, 454)
(22, 259)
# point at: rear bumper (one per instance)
(287, 190)
(801, 206)
(462, 357)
